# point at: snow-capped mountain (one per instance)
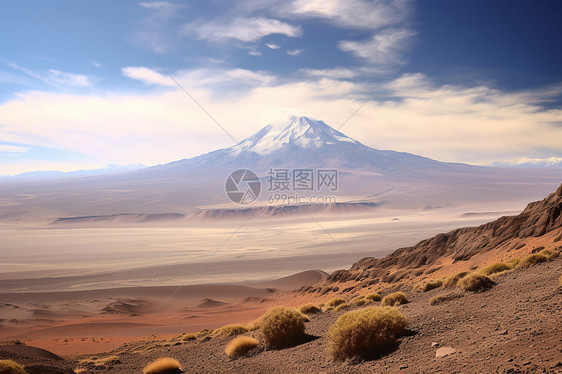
(305, 142)
(533, 163)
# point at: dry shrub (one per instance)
(365, 332)
(309, 309)
(189, 337)
(558, 238)
(362, 302)
(282, 327)
(373, 296)
(550, 253)
(396, 298)
(452, 280)
(11, 367)
(429, 285)
(240, 346)
(498, 267)
(444, 297)
(341, 307)
(514, 262)
(475, 282)
(231, 330)
(532, 260)
(163, 366)
(335, 302)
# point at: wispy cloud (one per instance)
(336, 73)
(273, 46)
(244, 29)
(55, 77)
(353, 14)
(155, 33)
(295, 52)
(147, 76)
(383, 48)
(7, 148)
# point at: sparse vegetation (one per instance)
(550, 253)
(365, 332)
(335, 302)
(429, 285)
(189, 337)
(514, 262)
(163, 366)
(532, 260)
(396, 298)
(373, 296)
(341, 307)
(558, 238)
(498, 267)
(240, 346)
(452, 280)
(11, 367)
(309, 309)
(444, 297)
(282, 327)
(231, 330)
(475, 282)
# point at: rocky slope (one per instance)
(538, 219)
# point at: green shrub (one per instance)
(282, 327)
(11, 367)
(240, 346)
(475, 282)
(396, 298)
(365, 332)
(451, 280)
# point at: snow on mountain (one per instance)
(548, 163)
(305, 143)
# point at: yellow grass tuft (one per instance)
(365, 332)
(240, 346)
(396, 298)
(231, 330)
(452, 280)
(475, 282)
(341, 307)
(282, 327)
(429, 285)
(373, 296)
(163, 366)
(550, 253)
(309, 309)
(532, 260)
(189, 337)
(335, 302)
(498, 267)
(11, 367)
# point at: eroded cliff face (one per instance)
(538, 218)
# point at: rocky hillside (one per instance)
(538, 218)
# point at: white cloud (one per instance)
(147, 76)
(68, 79)
(273, 46)
(336, 73)
(475, 124)
(244, 29)
(295, 52)
(353, 14)
(385, 47)
(7, 148)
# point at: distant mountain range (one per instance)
(548, 163)
(53, 174)
(367, 179)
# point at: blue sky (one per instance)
(82, 86)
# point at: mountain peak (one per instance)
(301, 132)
